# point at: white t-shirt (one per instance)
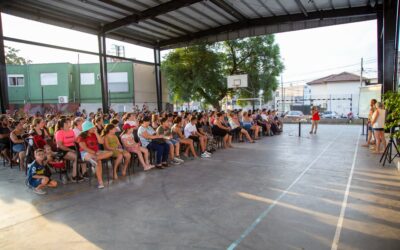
(189, 128)
(380, 121)
(143, 140)
(264, 117)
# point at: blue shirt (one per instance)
(35, 169)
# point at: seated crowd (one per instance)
(78, 144)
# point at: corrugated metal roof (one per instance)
(174, 23)
(341, 77)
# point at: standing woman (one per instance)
(65, 139)
(314, 119)
(369, 125)
(378, 126)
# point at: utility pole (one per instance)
(282, 96)
(361, 73)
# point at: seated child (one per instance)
(55, 160)
(36, 174)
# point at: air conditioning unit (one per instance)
(63, 99)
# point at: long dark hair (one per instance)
(61, 123)
(107, 129)
(84, 135)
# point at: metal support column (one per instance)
(157, 72)
(379, 34)
(103, 72)
(389, 43)
(3, 73)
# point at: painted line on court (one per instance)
(339, 226)
(270, 207)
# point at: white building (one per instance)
(337, 92)
(285, 98)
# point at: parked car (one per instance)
(330, 115)
(294, 114)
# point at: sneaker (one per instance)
(208, 153)
(93, 162)
(175, 161)
(179, 159)
(100, 186)
(85, 176)
(77, 178)
(204, 155)
(64, 179)
(39, 191)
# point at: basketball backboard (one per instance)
(237, 81)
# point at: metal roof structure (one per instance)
(168, 24)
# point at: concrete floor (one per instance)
(283, 192)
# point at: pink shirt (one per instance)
(66, 137)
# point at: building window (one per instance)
(48, 79)
(118, 82)
(87, 79)
(16, 80)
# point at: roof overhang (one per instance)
(168, 24)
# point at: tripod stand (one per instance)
(387, 154)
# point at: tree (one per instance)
(196, 73)
(199, 72)
(13, 58)
(259, 58)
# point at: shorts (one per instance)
(172, 142)
(377, 129)
(35, 182)
(84, 153)
(369, 127)
(64, 153)
(194, 138)
(18, 148)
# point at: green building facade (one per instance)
(72, 83)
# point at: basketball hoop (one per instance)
(237, 81)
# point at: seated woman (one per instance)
(176, 131)
(65, 139)
(151, 141)
(17, 138)
(39, 133)
(132, 146)
(89, 141)
(99, 123)
(174, 145)
(235, 126)
(191, 132)
(111, 143)
(155, 122)
(205, 129)
(131, 119)
(249, 125)
(220, 129)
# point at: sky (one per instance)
(307, 54)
